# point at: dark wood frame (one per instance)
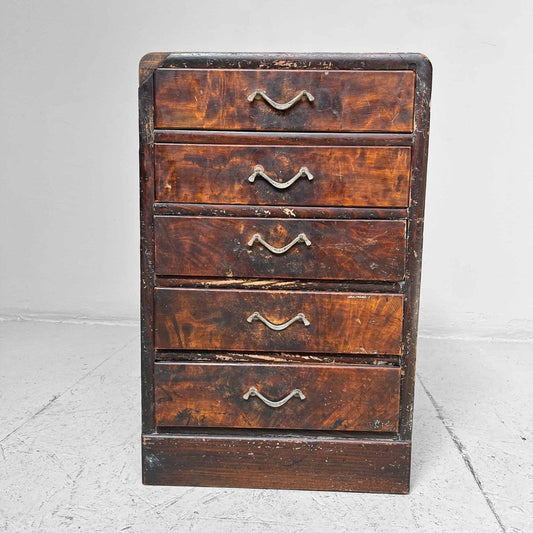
(354, 461)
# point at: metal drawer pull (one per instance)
(252, 391)
(259, 171)
(278, 327)
(302, 95)
(257, 238)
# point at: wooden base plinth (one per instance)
(277, 462)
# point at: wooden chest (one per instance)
(282, 202)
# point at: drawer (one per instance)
(315, 397)
(290, 321)
(349, 101)
(280, 248)
(361, 176)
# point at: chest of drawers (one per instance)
(282, 202)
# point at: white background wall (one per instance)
(68, 97)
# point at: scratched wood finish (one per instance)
(277, 357)
(272, 211)
(370, 176)
(357, 101)
(278, 462)
(250, 457)
(146, 190)
(338, 249)
(415, 240)
(397, 287)
(340, 398)
(216, 319)
(291, 61)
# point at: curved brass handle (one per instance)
(260, 171)
(302, 95)
(278, 327)
(257, 238)
(252, 391)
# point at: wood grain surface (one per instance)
(217, 99)
(198, 102)
(338, 249)
(216, 319)
(279, 462)
(363, 176)
(340, 398)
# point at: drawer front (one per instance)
(351, 101)
(368, 176)
(299, 321)
(316, 397)
(280, 248)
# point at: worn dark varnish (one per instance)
(277, 462)
(335, 249)
(341, 398)
(199, 94)
(282, 284)
(376, 176)
(277, 357)
(216, 319)
(282, 138)
(219, 210)
(216, 99)
(146, 192)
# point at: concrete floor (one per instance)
(70, 460)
